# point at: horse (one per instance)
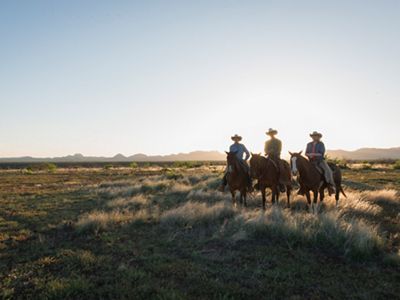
(267, 174)
(312, 180)
(237, 178)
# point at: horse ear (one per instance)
(252, 154)
(259, 154)
(291, 154)
(227, 152)
(300, 152)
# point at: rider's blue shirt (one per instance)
(240, 150)
(316, 148)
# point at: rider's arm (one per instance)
(246, 152)
(308, 150)
(266, 148)
(279, 146)
(321, 150)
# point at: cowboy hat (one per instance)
(236, 137)
(272, 132)
(316, 133)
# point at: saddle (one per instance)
(318, 168)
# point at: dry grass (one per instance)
(119, 238)
(135, 201)
(97, 221)
(357, 205)
(345, 230)
(328, 230)
(195, 213)
(389, 197)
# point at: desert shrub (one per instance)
(51, 167)
(108, 167)
(186, 164)
(172, 175)
(133, 165)
(396, 165)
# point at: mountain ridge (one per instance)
(359, 154)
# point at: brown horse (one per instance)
(312, 180)
(267, 174)
(237, 178)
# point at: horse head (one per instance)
(232, 160)
(255, 167)
(294, 158)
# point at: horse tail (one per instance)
(342, 191)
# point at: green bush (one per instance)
(133, 165)
(108, 167)
(51, 167)
(396, 165)
(186, 164)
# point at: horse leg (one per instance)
(337, 195)
(315, 202)
(264, 198)
(244, 198)
(288, 194)
(322, 193)
(308, 196)
(233, 198)
(274, 193)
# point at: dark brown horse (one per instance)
(311, 180)
(237, 178)
(267, 174)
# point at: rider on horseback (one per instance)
(273, 149)
(240, 150)
(316, 154)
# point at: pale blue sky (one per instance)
(103, 77)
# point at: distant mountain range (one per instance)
(366, 154)
(192, 156)
(360, 154)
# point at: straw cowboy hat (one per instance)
(271, 132)
(316, 133)
(236, 137)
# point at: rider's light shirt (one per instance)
(240, 150)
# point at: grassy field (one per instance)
(156, 233)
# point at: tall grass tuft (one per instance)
(328, 231)
(98, 221)
(195, 213)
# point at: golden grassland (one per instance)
(166, 233)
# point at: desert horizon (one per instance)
(365, 153)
